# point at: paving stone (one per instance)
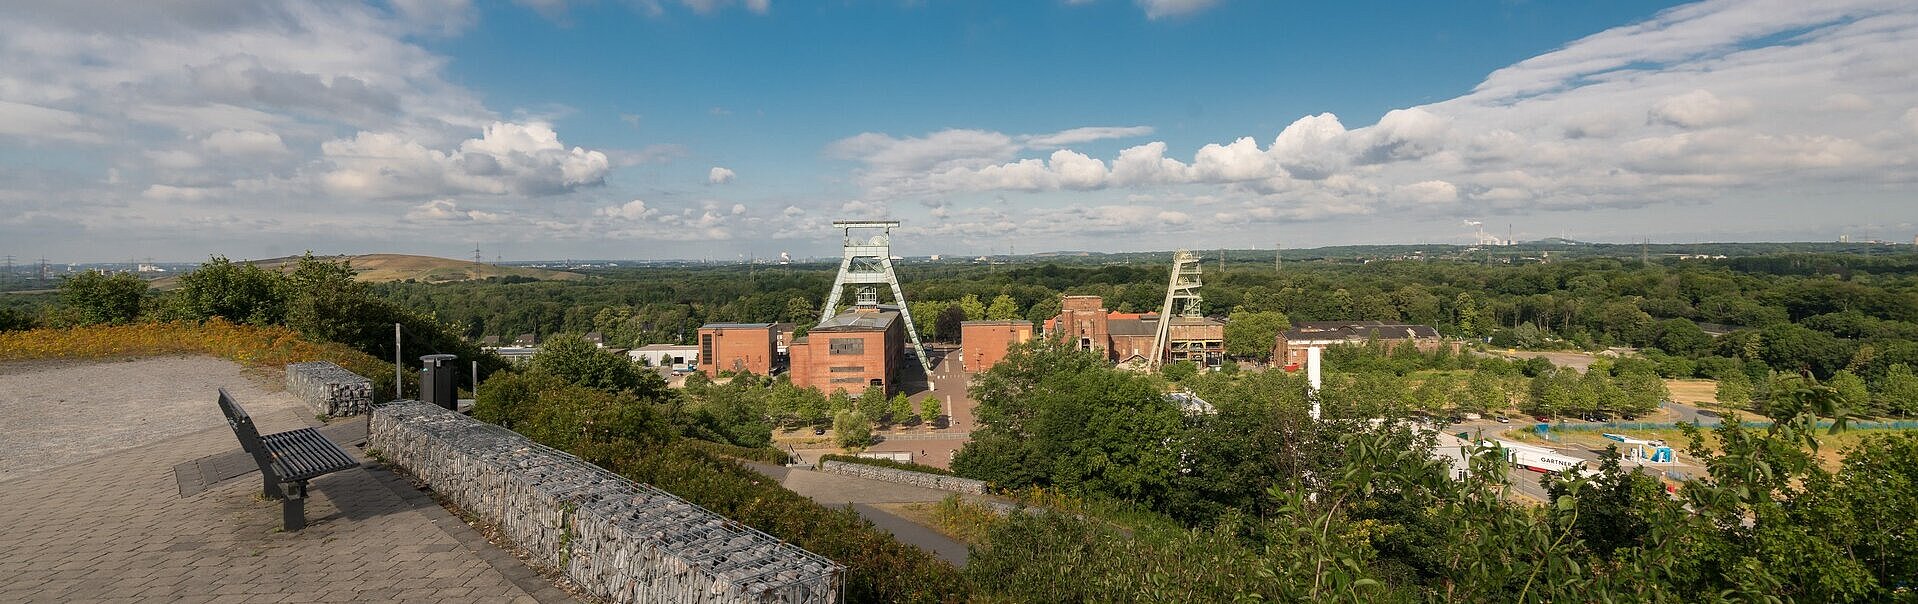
(124, 533)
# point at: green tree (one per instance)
(873, 402)
(929, 410)
(1003, 308)
(1641, 392)
(575, 360)
(1044, 310)
(1898, 390)
(901, 409)
(93, 297)
(799, 310)
(1179, 371)
(1485, 393)
(14, 319)
(1734, 390)
(1252, 335)
(1851, 389)
(974, 308)
(242, 293)
(852, 429)
(949, 322)
(1435, 393)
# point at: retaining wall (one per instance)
(617, 539)
(329, 389)
(918, 479)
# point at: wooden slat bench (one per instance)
(286, 459)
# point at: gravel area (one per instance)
(56, 413)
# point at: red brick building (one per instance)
(736, 346)
(858, 348)
(1289, 351)
(986, 342)
(1084, 323)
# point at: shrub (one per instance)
(852, 429)
(266, 347)
(767, 455)
(93, 297)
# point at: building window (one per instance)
(706, 348)
(848, 369)
(847, 380)
(846, 346)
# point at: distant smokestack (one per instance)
(1312, 378)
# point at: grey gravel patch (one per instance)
(59, 412)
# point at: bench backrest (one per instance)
(243, 429)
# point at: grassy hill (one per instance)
(382, 268)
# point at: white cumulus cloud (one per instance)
(508, 158)
(719, 176)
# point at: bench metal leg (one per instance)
(293, 506)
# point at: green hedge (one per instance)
(887, 463)
(759, 454)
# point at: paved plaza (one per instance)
(107, 521)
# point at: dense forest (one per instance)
(1711, 318)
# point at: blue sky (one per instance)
(719, 128)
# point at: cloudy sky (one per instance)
(174, 129)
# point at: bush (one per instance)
(886, 463)
(266, 347)
(767, 455)
(93, 297)
(852, 429)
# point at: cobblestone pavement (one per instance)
(114, 528)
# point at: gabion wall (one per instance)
(329, 389)
(921, 479)
(615, 538)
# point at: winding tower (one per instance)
(868, 263)
(1181, 300)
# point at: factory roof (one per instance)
(652, 347)
(859, 321)
(1365, 331)
(1131, 327)
(736, 326)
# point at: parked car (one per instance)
(1502, 419)
(818, 430)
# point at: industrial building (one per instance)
(864, 346)
(1128, 338)
(666, 355)
(736, 347)
(986, 342)
(1292, 344)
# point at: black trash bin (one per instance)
(437, 380)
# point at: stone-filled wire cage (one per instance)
(329, 389)
(617, 539)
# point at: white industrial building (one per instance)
(666, 355)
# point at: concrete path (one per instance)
(113, 527)
(835, 490)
